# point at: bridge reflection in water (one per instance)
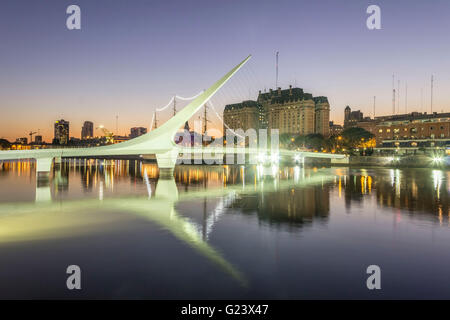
(422, 190)
(293, 198)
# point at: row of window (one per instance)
(406, 129)
(432, 136)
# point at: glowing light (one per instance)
(275, 158)
(274, 170)
(261, 158)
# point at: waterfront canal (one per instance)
(223, 231)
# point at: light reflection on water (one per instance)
(223, 231)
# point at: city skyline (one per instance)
(126, 67)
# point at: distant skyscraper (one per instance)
(137, 131)
(351, 118)
(22, 140)
(38, 139)
(87, 132)
(61, 132)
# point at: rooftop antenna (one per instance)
(398, 97)
(374, 100)
(406, 97)
(421, 99)
(117, 124)
(393, 94)
(432, 80)
(174, 104)
(276, 80)
(155, 123)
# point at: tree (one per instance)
(287, 140)
(357, 138)
(4, 144)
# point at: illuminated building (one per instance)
(291, 111)
(322, 116)
(413, 130)
(119, 139)
(335, 129)
(38, 139)
(245, 115)
(61, 134)
(87, 131)
(137, 131)
(22, 141)
(351, 118)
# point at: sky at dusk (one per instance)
(131, 57)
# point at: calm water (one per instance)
(223, 232)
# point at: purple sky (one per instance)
(130, 57)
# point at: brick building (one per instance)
(409, 130)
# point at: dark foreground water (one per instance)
(223, 232)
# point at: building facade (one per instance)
(291, 111)
(351, 118)
(87, 131)
(410, 130)
(38, 139)
(335, 129)
(22, 140)
(246, 115)
(61, 132)
(322, 116)
(137, 131)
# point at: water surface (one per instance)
(223, 232)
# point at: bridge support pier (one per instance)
(43, 168)
(57, 162)
(43, 193)
(166, 163)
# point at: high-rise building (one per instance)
(290, 111)
(61, 132)
(22, 140)
(87, 131)
(322, 116)
(335, 129)
(137, 131)
(352, 117)
(38, 139)
(246, 115)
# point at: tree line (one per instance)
(348, 141)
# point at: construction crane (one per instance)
(108, 134)
(155, 124)
(31, 135)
